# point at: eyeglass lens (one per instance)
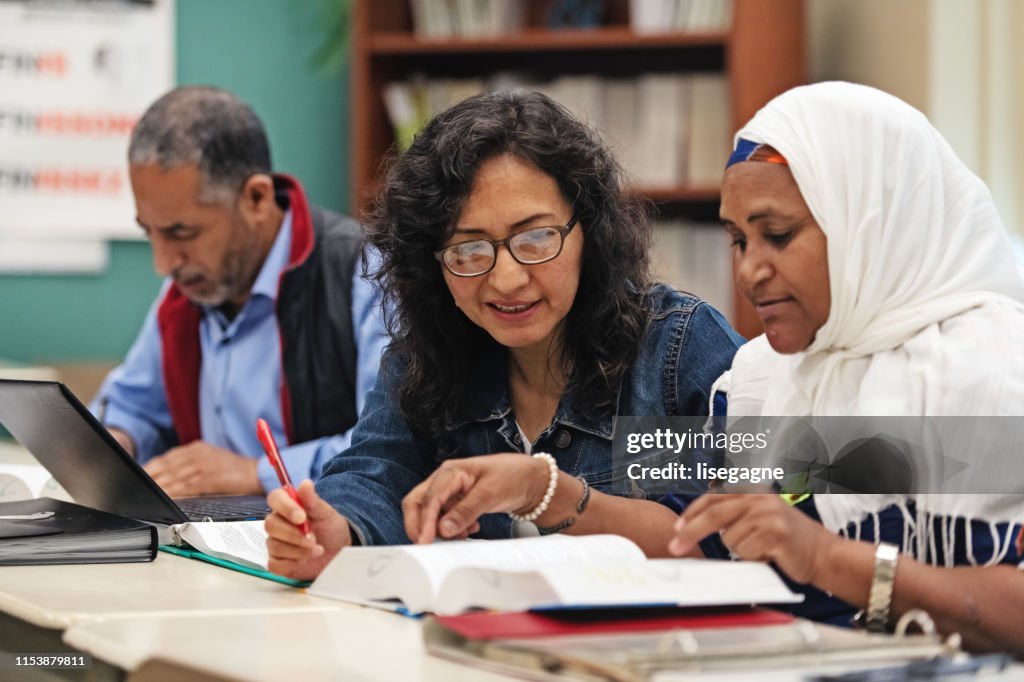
(529, 247)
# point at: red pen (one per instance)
(267, 438)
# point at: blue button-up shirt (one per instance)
(240, 378)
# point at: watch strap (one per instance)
(882, 581)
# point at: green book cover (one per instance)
(266, 575)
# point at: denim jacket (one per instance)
(687, 345)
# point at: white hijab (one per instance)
(926, 311)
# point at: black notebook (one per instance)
(45, 531)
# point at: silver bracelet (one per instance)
(581, 507)
(880, 597)
(548, 494)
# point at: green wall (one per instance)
(260, 49)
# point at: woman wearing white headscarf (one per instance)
(886, 286)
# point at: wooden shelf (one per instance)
(682, 194)
(761, 55)
(396, 44)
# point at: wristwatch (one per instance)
(880, 597)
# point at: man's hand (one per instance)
(451, 500)
(292, 554)
(203, 469)
(124, 439)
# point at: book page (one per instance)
(610, 582)
(415, 573)
(244, 542)
(520, 554)
(683, 582)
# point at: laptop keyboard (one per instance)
(223, 508)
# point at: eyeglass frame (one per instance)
(563, 232)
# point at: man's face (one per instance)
(204, 244)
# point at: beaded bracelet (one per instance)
(548, 494)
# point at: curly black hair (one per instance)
(416, 211)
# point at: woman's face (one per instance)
(780, 261)
(520, 306)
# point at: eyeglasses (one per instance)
(530, 247)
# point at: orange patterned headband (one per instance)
(755, 151)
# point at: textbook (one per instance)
(631, 647)
(46, 531)
(26, 481)
(238, 545)
(240, 542)
(546, 572)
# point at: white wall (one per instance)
(958, 61)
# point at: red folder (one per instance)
(526, 624)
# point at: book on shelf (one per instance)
(48, 531)
(694, 257)
(661, 130)
(466, 18)
(548, 572)
(583, 95)
(666, 129)
(708, 145)
(663, 16)
(405, 111)
(621, 116)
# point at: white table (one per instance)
(176, 613)
(349, 643)
(57, 597)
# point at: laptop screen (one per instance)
(48, 420)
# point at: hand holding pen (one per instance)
(299, 550)
(270, 446)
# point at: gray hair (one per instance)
(206, 126)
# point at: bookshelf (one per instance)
(760, 54)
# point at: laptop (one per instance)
(79, 452)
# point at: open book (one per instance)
(552, 571)
(238, 545)
(28, 481)
(239, 542)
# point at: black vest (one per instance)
(314, 313)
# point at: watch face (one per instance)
(887, 552)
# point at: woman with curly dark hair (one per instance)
(523, 320)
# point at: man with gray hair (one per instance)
(264, 313)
